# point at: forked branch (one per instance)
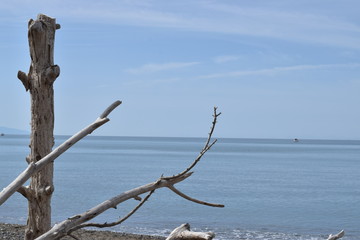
(76, 222)
(63, 228)
(206, 147)
(104, 225)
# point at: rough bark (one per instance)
(183, 232)
(39, 81)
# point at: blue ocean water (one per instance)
(272, 189)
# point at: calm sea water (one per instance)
(272, 189)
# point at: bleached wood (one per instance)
(183, 233)
(66, 227)
(172, 188)
(104, 225)
(337, 236)
(35, 167)
(63, 228)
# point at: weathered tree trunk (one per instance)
(39, 81)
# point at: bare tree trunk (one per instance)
(39, 81)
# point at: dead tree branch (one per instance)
(172, 188)
(63, 228)
(24, 191)
(104, 225)
(206, 147)
(76, 222)
(337, 236)
(183, 233)
(36, 167)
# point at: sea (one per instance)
(271, 188)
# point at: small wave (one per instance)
(228, 234)
(263, 235)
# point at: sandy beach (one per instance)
(16, 232)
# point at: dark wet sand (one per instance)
(16, 232)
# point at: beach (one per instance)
(16, 232)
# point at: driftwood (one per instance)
(76, 222)
(337, 236)
(183, 233)
(80, 221)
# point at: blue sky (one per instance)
(275, 68)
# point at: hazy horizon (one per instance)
(20, 132)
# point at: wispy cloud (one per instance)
(225, 58)
(246, 73)
(277, 70)
(150, 82)
(294, 24)
(304, 23)
(156, 67)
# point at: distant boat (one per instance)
(2, 134)
(295, 140)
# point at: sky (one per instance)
(274, 68)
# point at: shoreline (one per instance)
(15, 232)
